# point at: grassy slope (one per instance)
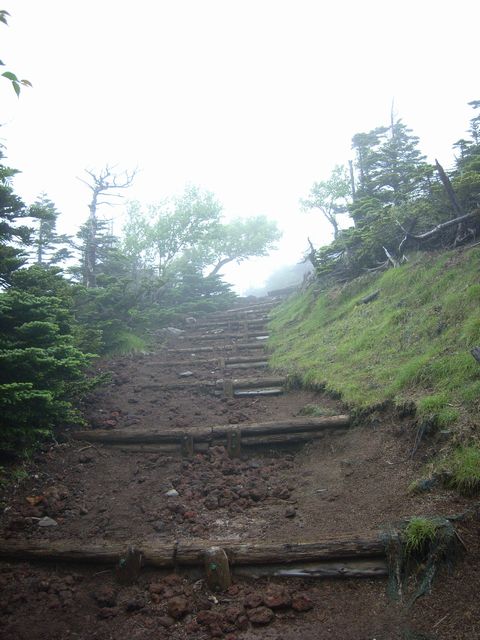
(411, 343)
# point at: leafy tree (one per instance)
(330, 197)
(165, 232)
(236, 241)
(188, 231)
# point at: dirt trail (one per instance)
(352, 481)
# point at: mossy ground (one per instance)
(411, 343)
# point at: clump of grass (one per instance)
(462, 470)
(419, 534)
(128, 343)
(316, 411)
(438, 409)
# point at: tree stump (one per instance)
(217, 569)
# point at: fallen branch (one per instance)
(440, 227)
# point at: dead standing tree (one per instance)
(104, 184)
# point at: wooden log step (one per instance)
(241, 359)
(228, 336)
(232, 322)
(254, 383)
(256, 308)
(182, 363)
(248, 365)
(188, 553)
(238, 383)
(216, 362)
(246, 346)
(251, 393)
(227, 347)
(169, 386)
(371, 568)
(216, 432)
(252, 442)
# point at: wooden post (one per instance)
(228, 388)
(187, 446)
(234, 443)
(128, 568)
(217, 569)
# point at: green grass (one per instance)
(411, 343)
(419, 534)
(127, 343)
(462, 469)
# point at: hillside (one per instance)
(410, 344)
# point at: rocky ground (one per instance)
(352, 481)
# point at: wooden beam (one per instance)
(254, 383)
(216, 432)
(228, 336)
(371, 568)
(193, 553)
(226, 347)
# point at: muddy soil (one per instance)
(354, 481)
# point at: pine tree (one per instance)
(50, 247)
(13, 237)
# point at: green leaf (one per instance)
(16, 87)
(3, 16)
(26, 83)
(10, 76)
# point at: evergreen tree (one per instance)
(13, 236)
(49, 246)
(466, 179)
(390, 168)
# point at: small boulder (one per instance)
(261, 615)
(277, 598)
(165, 621)
(301, 601)
(177, 607)
(105, 597)
(47, 522)
(253, 601)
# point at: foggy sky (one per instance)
(251, 99)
